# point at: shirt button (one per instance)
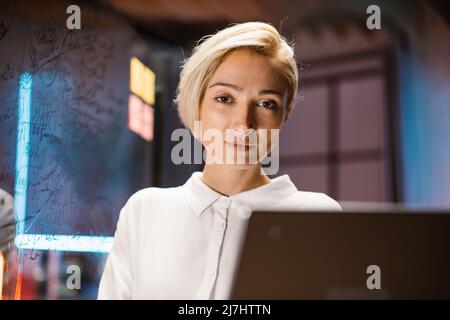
(212, 275)
(221, 226)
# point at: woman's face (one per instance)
(245, 100)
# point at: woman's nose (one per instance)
(243, 117)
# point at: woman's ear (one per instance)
(289, 109)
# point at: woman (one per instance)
(183, 242)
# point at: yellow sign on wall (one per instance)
(142, 81)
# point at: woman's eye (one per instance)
(268, 104)
(223, 99)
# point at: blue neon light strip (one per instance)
(74, 243)
(64, 243)
(22, 150)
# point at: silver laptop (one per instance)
(351, 254)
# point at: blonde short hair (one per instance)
(210, 51)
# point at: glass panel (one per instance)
(306, 128)
(360, 114)
(361, 181)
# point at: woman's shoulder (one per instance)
(159, 193)
(154, 197)
(308, 200)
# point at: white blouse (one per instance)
(183, 242)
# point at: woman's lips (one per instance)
(241, 146)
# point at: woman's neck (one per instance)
(229, 181)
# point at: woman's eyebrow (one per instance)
(226, 84)
(271, 91)
(237, 88)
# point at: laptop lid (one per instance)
(374, 254)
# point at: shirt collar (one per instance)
(200, 196)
